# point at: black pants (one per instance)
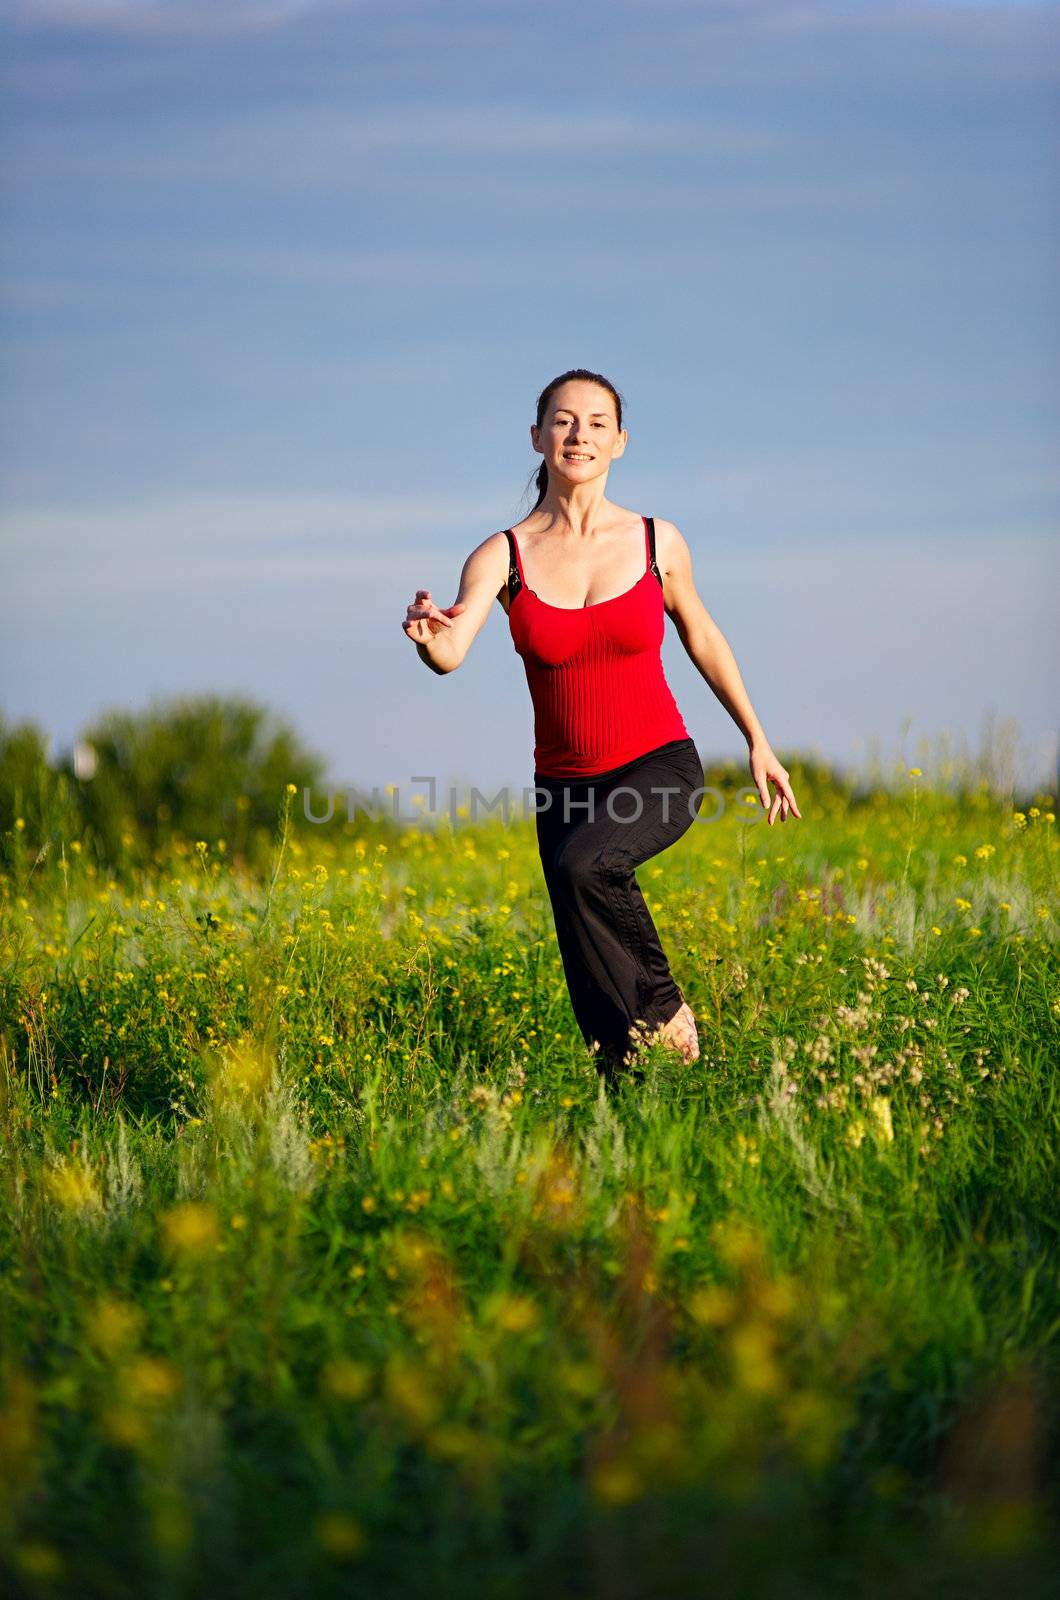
(616, 970)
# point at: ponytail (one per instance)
(542, 484)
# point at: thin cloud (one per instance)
(248, 535)
(317, 146)
(159, 19)
(156, 16)
(173, 530)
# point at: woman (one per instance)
(617, 773)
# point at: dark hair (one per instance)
(541, 476)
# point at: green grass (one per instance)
(330, 1267)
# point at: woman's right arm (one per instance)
(443, 636)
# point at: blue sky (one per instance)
(280, 283)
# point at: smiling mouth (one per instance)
(570, 455)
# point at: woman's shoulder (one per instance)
(672, 554)
(488, 561)
(491, 544)
(667, 533)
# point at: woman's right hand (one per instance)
(423, 619)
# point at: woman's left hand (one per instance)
(766, 766)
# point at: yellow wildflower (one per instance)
(340, 1536)
(515, 1313)
(73, 1186)
(151, 1380)
(616, 1483)
(346, 1380)
(880, 1106)
(190, 1227)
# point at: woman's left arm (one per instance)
(709, 649)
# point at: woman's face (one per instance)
(579, 437)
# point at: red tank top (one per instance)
(595, 672)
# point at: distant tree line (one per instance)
(216, 768)
(198, 767)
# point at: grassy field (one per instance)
(329, 1267)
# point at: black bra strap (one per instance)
(652, 564)
(515, 583)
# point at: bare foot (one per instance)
(678, 1034)
(681, 1032)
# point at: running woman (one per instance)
(586, 586)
